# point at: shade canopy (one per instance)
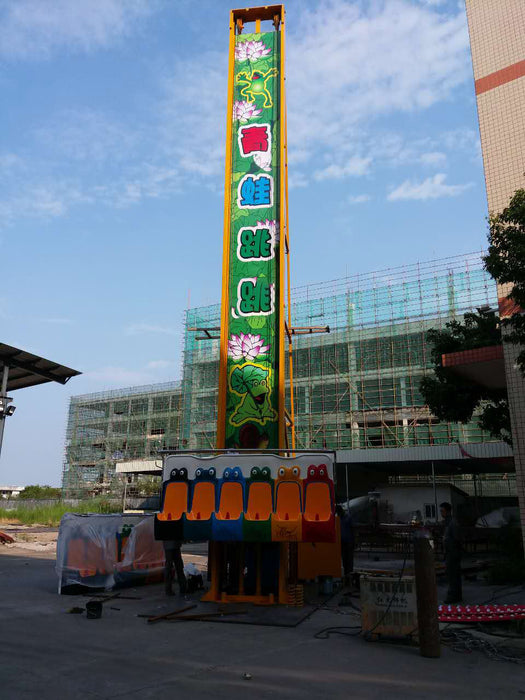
(26, 369)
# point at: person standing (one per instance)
(173, 560)
(452, 549)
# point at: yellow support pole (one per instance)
(288, 278)
(223, 378)
(283, 232)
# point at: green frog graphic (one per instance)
(255, 84)
(250, 381)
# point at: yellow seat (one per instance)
(259, 501)
(231, 503)
(175, 501)
(318, 505)
(288, 500)
(203, 504)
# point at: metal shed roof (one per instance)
(26, 369)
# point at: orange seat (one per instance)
(231, 502)
(95, 559)
(288, 500)
(259, 501)
(318, 504)
(175, 501)
(76, 554)
(203, 503)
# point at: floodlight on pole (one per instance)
(4, 400)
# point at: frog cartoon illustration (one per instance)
(254, 84)
(250, 381)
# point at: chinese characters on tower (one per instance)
(253, 278)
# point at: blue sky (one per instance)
(111, 170)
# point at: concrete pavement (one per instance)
(46, 653)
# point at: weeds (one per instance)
(51, 515)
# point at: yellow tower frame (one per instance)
(238, 18)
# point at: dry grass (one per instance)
(50, 515)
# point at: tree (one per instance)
(38, 492)
(505, 261)
(453, 398)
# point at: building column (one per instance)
(516, 394)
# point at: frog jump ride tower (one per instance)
(260, 503)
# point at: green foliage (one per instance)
(505, 261)
(39, 493)
(147, 486)
(51, 515)
(453, 398)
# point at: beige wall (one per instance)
(496, 34)
(497, 38)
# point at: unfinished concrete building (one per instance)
(356, 388)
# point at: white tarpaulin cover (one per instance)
(101, 551)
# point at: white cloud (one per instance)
(349, 63)
(87, 135)
(159, 364)
(434, 158)
(297, 179)
(358, 198)
(193, 115)
(36, 28)
(42, 201)
(355, 166)
(142, 328)
(431, 188)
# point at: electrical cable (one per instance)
(394, 592)
(325, 632)
(464, 642)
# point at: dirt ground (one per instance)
(41, 541)
(32, 540)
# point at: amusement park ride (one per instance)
(266, 508)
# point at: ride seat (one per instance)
(259, 501)
(318, 504)
(288, 500)
(203, 502)
(175, 501)
(231, 502)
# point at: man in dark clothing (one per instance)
(452, 549)
(173, 559)
(347, 542)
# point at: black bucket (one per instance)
(94, 609)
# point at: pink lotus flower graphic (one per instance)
(263, 160)
(272, 227)
(244, 111)
(251, 50)
(246, 346)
